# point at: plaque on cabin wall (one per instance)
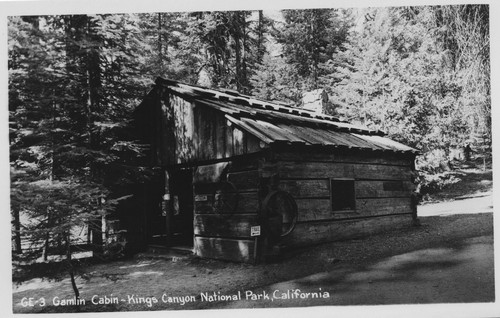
(255, 230)
(200, 198)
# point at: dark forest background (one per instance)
(421, 74)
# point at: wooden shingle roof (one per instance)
(277, 123)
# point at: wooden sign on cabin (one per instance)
(255, 230)
(234, 163)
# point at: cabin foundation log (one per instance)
(309, 233)
(236, 250)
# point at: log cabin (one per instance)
(241, 179)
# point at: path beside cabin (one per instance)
(459, 274)
(448, 259)
(469, 191)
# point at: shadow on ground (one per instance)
(463, 274)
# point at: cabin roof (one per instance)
(275, 123)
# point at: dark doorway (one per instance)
(181, 218)
(156, 217)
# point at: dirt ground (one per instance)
(186, 276)
(454, 250)
(426, 276)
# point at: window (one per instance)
(342, 195)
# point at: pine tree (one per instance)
(70, 93)
(310, 38)
(223, 47)
(398, 76)
(274, 80)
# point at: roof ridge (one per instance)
(228, 95)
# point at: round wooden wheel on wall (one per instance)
(225, 198)
(281, 209)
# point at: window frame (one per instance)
(348, 210)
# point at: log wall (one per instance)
(225, 233)
(382, 199)
(382, 186)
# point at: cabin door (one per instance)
(181, 217)
(156, 217)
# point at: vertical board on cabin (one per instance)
(220, 136)
(229, 141)
(202, 133)
(184, 128)
(225, 233)
(165, 136)
(206, 128)
(239, 147)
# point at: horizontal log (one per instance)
(244, 180)
(224, 225)
(248, 162)
(209, 173)
(318, 170)
(247, 203)
(320, 232)
(268, 169)
(306, 188)
(371, 158)
(314, 209)
(383, 206)
(207, 178)
(321, 209)
(224, 249)
(239, 186)
(383, 189)
(201, 188)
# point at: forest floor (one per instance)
(470, 191)
(447, 259)
(466, 180)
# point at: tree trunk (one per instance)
(45, 252)
(244, 71)
(260, 37)
(70, 267)
(160, 44)
(93, 86)
(16, 224)
(97, 242)
(237, 49)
